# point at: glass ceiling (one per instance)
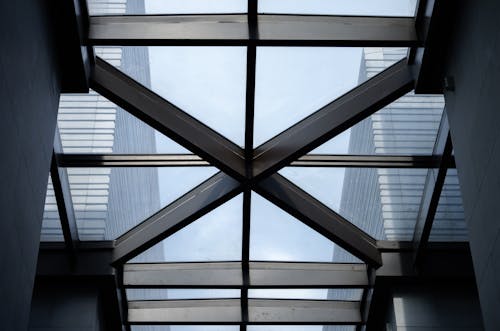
(210, 84)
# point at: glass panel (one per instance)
(213, 237)
(51, 223)
(406, 126)
(294, 82)
(301, 328)
(110, 201)
(382, 202)
(164, 294)
(209, 83)
(449, 222)
(307, 294)
(138, 7)
(90, 123)
(185, 328)
(277, 236)
(340, 7)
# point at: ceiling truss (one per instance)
(247, 169)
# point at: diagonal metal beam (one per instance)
(313, 213)
(333, 119)
(234, 30)
(168, 119)
(434, 183)
(194, 204)
(62, 192)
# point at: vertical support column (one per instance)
(29, 97)
(472, 102)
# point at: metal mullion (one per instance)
(168, 119)
(192, 160)
(232, 30)
(313, 213)
(333, 119)
(201, 200)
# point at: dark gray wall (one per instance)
(66, 307)
(435, 308)
(474, 115)
(29, 94)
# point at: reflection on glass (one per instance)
(307, 294)
(340, 7)
(209, 83)
(449, 221)
(138, 7)
(110, 201)
(51, 223)
(213, 237)
(294, 82)
(174, 294)
(277, 236)
(382, 202)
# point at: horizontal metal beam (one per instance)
(228, 311)
(168, 119)
(313, 213)
(229, 275)
(205, 197)
(333, 119)
(233, 29)
(191, 160)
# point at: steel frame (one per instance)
(239, 30)
(246, 169)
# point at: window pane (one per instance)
(294, 82)
(164, 294)
(208, 83)
(185, 327)
(307, 294)
(382, 202)
(110, 201)
(277, 236)
(213, 237)
(301, 328)
(407, 126)
(138, 7)
(51, 224)
(340, 7)
(90, 123)
(449, 222)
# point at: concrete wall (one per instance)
(436, 308)
(29, 94)
(474, 115)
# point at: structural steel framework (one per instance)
(243, 170)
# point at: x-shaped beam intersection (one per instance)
(242, 171)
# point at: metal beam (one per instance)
(205, 197)
(432, 189)
(62, 192)
(191, 160)
(333, 119)
(260, 311)
(313, 213)
(271, 275)
(168, 119)
(233, 30)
